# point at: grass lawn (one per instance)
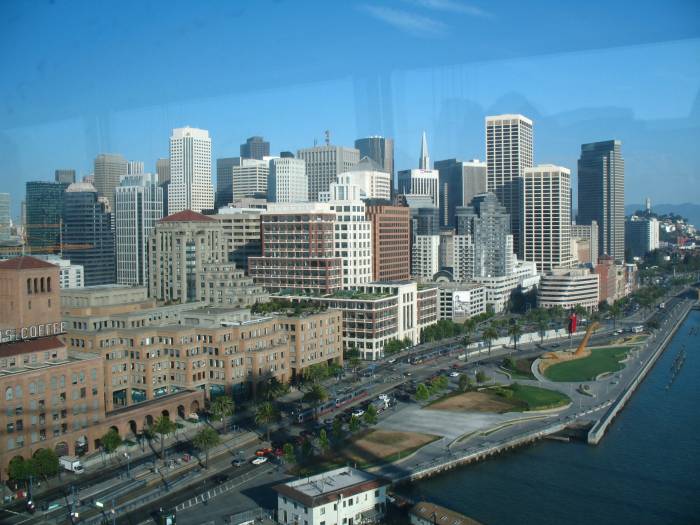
(535, 398)
(587, 369)
(522, 370)
(502, 399)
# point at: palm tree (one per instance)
(542, 325)
(206, 439)
(222, 407)
(515, 331)
(264, 415)
(489, 335)
(163, 426)
(317, 395)
(615, 313)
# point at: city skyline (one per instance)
(439, 85)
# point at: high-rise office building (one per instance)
(255, 148)
(391, 240)
(425, 241)
(298, 251)
(65, 176)
(459, 183)
(369, 178)
(422, 181)
(5, 221)
(546, 221)
(139, 205)
(601, 194)
(179, 249)
(380, 150)
(509, 152)
(353, 241)
(324, 164)
(241, 233)
(586, 238)
(88, 235)
(641, 235)
(250, 179)
(190, 171)
(483, 244)
(224, 180)
(109, 169)
(43, 216)
(287, 180)
(134, 167)
(163, 170)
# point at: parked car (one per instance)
(454, 374)
(358, 412)
(259, 461)
(221, 478)
(263, 452)
(237, 462)
(392, 360)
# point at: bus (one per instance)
(638, 329)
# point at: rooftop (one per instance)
(187, 216)
(30, 345)
(328, 486)
(25, 262)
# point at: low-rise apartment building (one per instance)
(460, 301)
(569, 288)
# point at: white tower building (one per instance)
(190, 171)
(287, 180)
(139, 206)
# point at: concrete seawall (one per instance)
(598, 430)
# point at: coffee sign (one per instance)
(10, 335)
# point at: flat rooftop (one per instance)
(328, 486)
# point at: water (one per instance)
(646, 470)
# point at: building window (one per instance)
(9, 394)
(29, 286)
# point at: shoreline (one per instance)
(594, 435)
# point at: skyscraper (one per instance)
(546, 221)
(87, 233)
(139, 205)
(190, 171)
(5, 221)
(421, 181)
(65, 176)
(391, 240)
(324, 164)
(483, 244)
(287, 181)
(641, 235)
(109, 168)
(425, 241)
(380, 150)
(255, 148)
(460, 182)
(508, 153)
(134, 167)
(43, 215)
(224, 180)
(601, 194)
(163, 170)
(250, 179)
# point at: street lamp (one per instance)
(128, 467)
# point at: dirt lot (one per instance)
(473, 402)
(381, 444)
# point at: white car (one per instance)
(358, 413)
(384, 397)
(454, 374)
(392, 360)
(259, 461)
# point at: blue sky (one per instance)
(82, 78)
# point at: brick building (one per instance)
(391, 241)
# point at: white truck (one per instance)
(71, 464)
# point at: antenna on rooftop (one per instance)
(327, 133)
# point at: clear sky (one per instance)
(84, 77)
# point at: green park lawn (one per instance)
(527, 398)
(600, 361)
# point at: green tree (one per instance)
(163, 426)
(354, 424)
(370, 416)
(615, 312)
(221, 408)
(316, 396)
(337, 430)
(288, 450)
(422, 392)
(464, 382)
(489, 335)
(580, 311)
(46, 462)
(323, 440)
(542, 326)
(205, 440)
(481, 377)
(110, 441)
(515, 331)
(306, 449)
(21, 469)
(265, 415)
(352, 356)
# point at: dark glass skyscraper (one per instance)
(255, 148)
(88, 236)
(224, 179)
(380, 150)
(601, 194)
(44, 210)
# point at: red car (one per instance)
(263, 452)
